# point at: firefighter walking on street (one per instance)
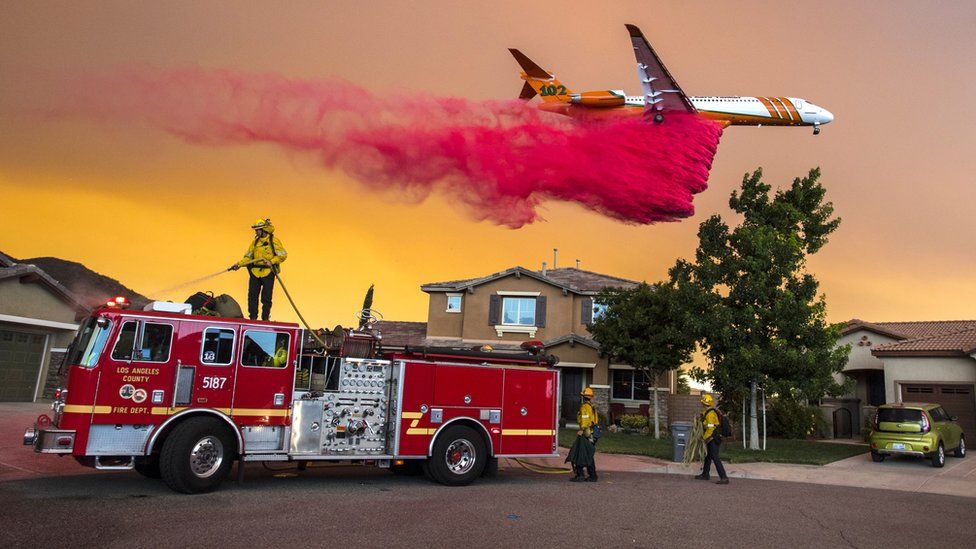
(713, 441)
(263, 259)
(583, 453)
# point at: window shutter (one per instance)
(587, 313)
(494, 310)
(540, 311)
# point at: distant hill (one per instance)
(91, 288)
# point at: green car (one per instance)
(916, 429)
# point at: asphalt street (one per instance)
(365, 507)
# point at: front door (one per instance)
(573, 381)
(265, 373)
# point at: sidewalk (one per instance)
(957, 478)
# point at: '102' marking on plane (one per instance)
(662, 94)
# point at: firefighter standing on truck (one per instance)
(582, 454)
(713, 441)
(263, 260)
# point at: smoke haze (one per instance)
(502, 159)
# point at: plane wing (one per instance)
(661, 91)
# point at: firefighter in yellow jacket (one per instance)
(713, 441)
(263, 259)
(582, 454)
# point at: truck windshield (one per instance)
(89, 344)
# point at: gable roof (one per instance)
(31, 273)
(572, 339)
(909, 330)
(961, 342)
(6, 260)
(569, 279)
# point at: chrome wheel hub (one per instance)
(206, 456)
(460, 456)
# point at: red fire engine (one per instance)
(180, 396)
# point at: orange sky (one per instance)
(152, 211)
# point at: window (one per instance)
(518, 311)
(453, 303)
(630, 385)
(598, 310)
(156, 340)
(265, 349)
(218, 346)
(88, 346)
(899, 415)
(938, 414)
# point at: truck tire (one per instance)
(148, 466)
(459, 456)
(197, 455)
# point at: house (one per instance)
(554, 306)
(928, 361)
(38, 319)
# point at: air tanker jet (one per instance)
(662, 95)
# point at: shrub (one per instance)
(633, 421)
(789, 418)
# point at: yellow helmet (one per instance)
(707, 400)
(260, 224)
(587, 393)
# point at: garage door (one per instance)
(958, 400)
(20, 360)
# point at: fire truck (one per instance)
(181, 397)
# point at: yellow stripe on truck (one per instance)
(420, 431)
(528, 432)
(86, 409)
(411, 415)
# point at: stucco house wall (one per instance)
(899, 370)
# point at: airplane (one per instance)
(662, 95)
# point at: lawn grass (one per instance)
(809, 452)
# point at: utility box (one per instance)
(680, 431)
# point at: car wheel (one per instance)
(876, 457)
(459, 456)
(961, 449)
(938, 458)
(197, 455)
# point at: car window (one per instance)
(899, 415)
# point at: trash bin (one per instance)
(680, 431)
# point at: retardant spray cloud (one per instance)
(500, 158)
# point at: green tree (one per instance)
(749, 298)
(642, 327)
(682, 387)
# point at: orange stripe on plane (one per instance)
(769, 107)
(789, 105)
(778, 103)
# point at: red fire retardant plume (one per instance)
(501, 158)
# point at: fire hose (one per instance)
(290, 300)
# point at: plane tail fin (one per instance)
(539, 82)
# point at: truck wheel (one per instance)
(938, 458)
(148, 466)
(197, 455)
(459, 456)
(876, 457)
(961, 449)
